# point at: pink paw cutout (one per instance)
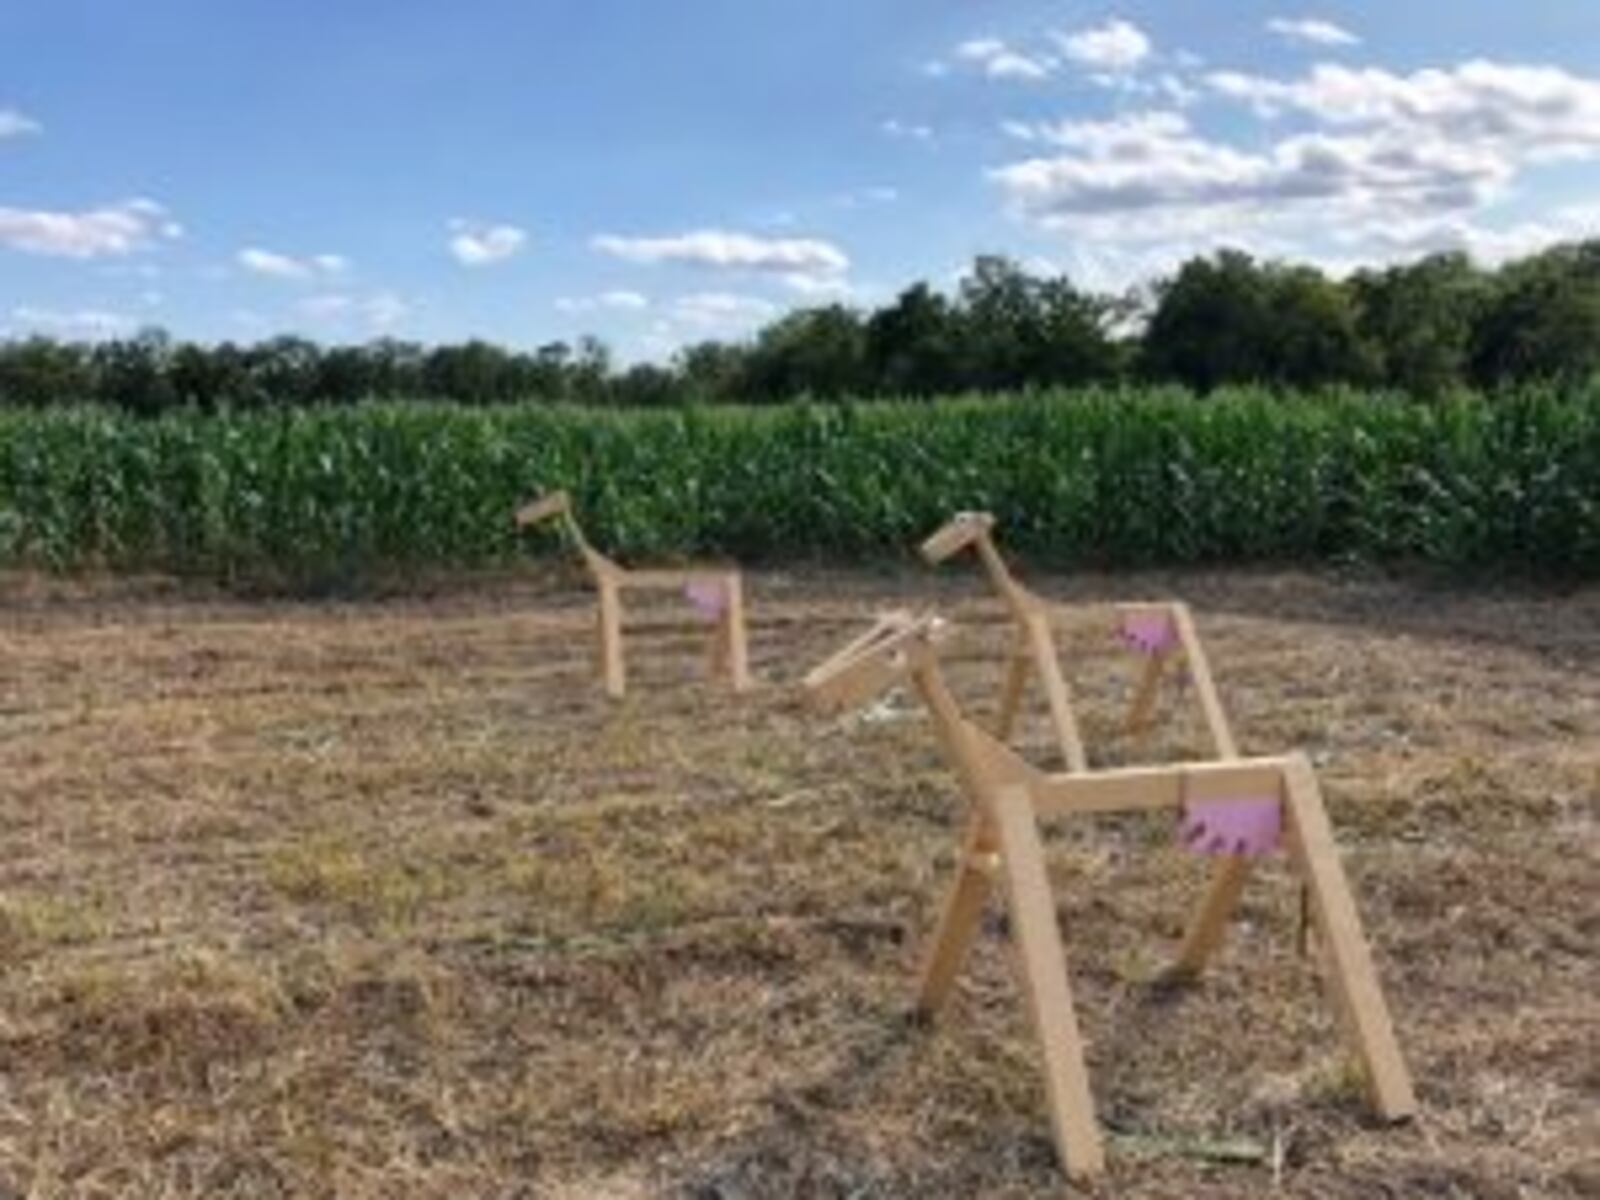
(1247, 828)
(708, 596)
(1152, 633)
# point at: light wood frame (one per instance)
(1033, 650)
(1008, 797)
(730, 654)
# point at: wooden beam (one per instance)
(1205, 687)
(613, 668)
(1209, 927)
(1042, 966)
(865, 666)
(1056, 695)
(960, 917)
(1142, 788)
(955, 535)
(733, 627)
(1016, 681)
(545, 507)
(1137, 724)
(1347, 960)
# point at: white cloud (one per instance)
(721, 310)
(1485, 243)
(1524, 112)
(724, 249)
(1154, 166)
(615, 301)
(283, 266)
(1312, 32)
(1115, 46)
(84, 323)
(1000, 61)
(906, 131)
(476, 244)
(819, 286)
(1389, 170)
(325, 307)
(16, 124)
(1383, 165)
(864, 197)
(980, 49)
(114, 230)
(385, 310)
(377, 312)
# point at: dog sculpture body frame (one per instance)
(1007, 799)
(1033, 650)
(729, 641)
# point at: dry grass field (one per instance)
(383, 899)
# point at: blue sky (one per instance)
(658, 173)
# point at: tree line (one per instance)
(1423, 328)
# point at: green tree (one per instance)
(815, 351)
(41, 371)
(1417, 321)
(913, 345)
(1542, 320)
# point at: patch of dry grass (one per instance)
(376, 899)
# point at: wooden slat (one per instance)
(1062, 718)
(1347, 960)
(738, 637)
(663, 578)
(1209, 926)
(1205, 687)
(612, 665)
(1011, 690)
(1043, 968)
(1138, 722)
(1135, 788)
(960, 917)
(866, 665)
(955, 535)
(542, 509)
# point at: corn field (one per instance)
(330, 496)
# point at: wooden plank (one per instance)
(738, 640)
(1055, 691)
(1209, 927)
(1347, 960)
(612, 665)
(545, 507)
(959, 919)
(1016, 680)
(955, 535)
(1138, 722)
(668, 578)
(601, 568)
(1043, 968)
(1140, 788)
(1021, 601)
(864, 667)
(1205, 687)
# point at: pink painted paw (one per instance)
(1148, 633)
(1245, 828)
(708, 596)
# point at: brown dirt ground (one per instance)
(383, 899)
